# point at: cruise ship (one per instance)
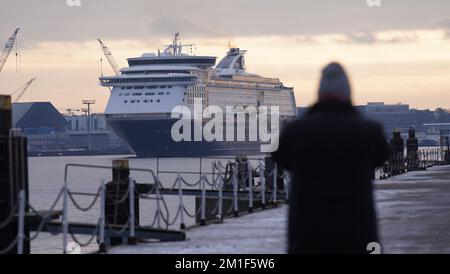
(144, 94)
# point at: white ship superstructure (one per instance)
(145, 93)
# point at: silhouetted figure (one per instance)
(332, 152)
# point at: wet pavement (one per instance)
(414, 212)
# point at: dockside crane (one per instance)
(110, 57)
(22, 90)
(7, 49)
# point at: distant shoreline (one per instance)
(76, 153)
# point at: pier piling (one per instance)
(13, 179)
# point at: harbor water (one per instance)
(46, 179)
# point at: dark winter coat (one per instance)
(332, 153)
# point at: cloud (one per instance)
(372, 38)
(441, 24)
(306, 39)
(142, 19)
(364, 37)
(166, 26)
(444, 25)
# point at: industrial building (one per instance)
(402, 117)
(38, 118)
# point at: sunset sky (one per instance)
(399, 52)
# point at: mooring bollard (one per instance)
(242, 170)
(397, 159)
(117, 205)
(412, 147)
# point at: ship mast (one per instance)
(176, 48)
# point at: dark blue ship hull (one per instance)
(152, 138)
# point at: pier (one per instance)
(412, 218)
(235, 187)
(411, 197)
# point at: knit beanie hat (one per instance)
(334, 84)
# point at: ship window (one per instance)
(137, 94)
(169, 86)
(150, 93)
(132, 101)
(160, 93)
(158, 101)
(127, 94)
(145, 101)
(138, 101)
(129, 87)
(162, 87)
(152, 87)
(167, 93)
(123, 87)
(125, 101)
(120, 94)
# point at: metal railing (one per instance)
(219, 183)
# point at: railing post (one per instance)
(262, 180)
(203, 202)
(286, 186)
(250, 188)
(102, 247)
(132, 238)
(220, 209)
(21, 222)
(157, 167)
(158, 206)
(235, 191)
(275, 186)
(181, 206)
(65, 223)
(200, 173)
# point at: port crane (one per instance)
(22, 90)
(110, 57)
(7, 50)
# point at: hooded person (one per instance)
(331, 153)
